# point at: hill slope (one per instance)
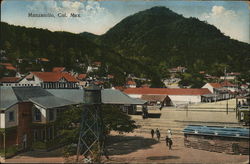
(158, 35)
(72, 51)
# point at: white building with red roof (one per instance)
(177, 95)
(229, 86)
(131, 84)
(50, 80)
(10, 81)
(224, 90)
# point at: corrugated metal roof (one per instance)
(112, 96)
(167, 91)
(217, 131)
(75, 95)
(51, 102)
(10, 96)
(7, 97)
(109, 96)
(25, 93)
(58, 97)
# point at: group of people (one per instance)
(169, 141)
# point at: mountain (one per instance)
(160, 36)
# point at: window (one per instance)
(37, 115)
(11, 116)
(51, 114)
(35, 135)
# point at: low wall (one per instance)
(229, 145)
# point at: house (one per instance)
(161, 100)
(8, 66)
(50, 80)
(229, 86)
(82, 79)
(218, 90)
(42, 60)
(230, 76)
(9, 69)
(10, 81)
(94, 66)
(109, 96)
(27, 116)
(178, 69)
(177, 95)
(131, 84)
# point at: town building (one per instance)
(9, 81)
(229, 86)
(50, 80)
(230, 76)
(178, 69)
(131, 84)
(9, 69)
(94, 67)
(28, 115)
(176, 95)
(221, 91)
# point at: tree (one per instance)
(113, 118)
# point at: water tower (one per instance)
(90, 143)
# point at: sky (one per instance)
(231, 17)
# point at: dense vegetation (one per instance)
(114, 119)
(145, 44)
(160, 36)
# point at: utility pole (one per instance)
(227, 106)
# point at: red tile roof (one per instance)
(145, 86)
(8, 66)
(9, 79)
(227, 84)
(58, 69)
(167, 91)
(43, 59)
(216, 85)
(130, 82)
(98, 64)
(121, 88)
(54, 76)
(82, 76)
(98, 82)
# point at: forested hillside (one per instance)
(158, 35)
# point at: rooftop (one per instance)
(217, 131)
(54, 76)
(9, 79)
(167, 91)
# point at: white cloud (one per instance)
(230, 22)
(219, 11)
(86, 9)
(93, 17)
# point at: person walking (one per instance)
(169, 134)
(167, 140)
(152, 133)
(158, 134)
(170, 143)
